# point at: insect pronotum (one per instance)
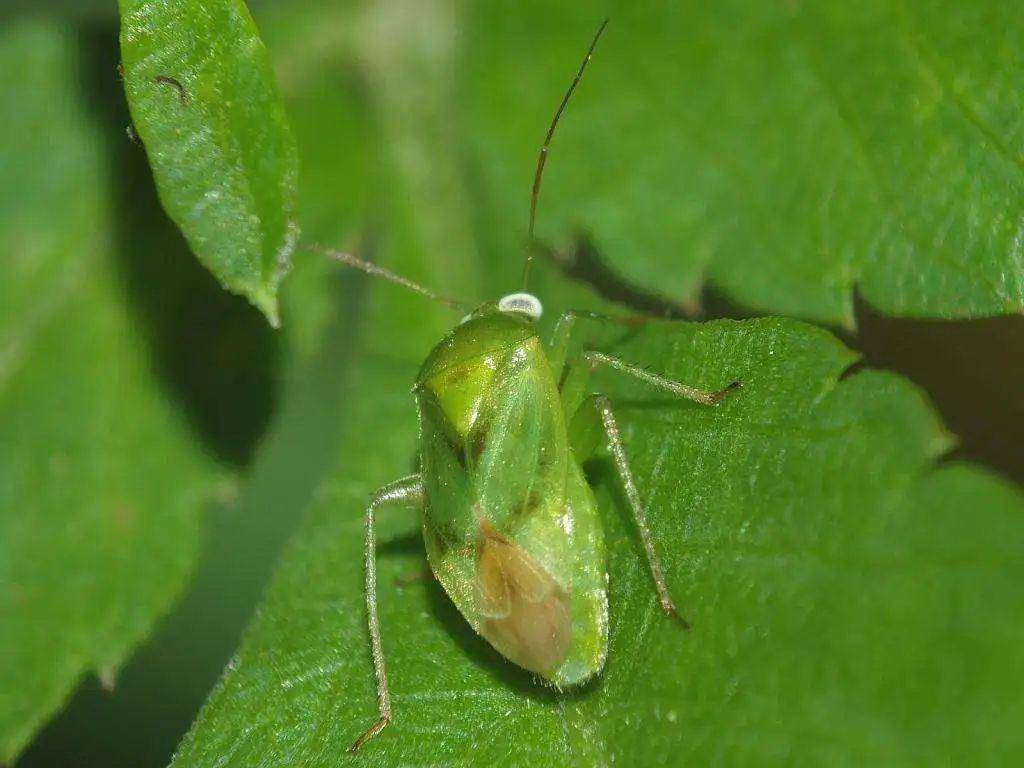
(510, 525)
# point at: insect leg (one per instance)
(558, 349)
(596, 359)
(611, 429)
(404, 490)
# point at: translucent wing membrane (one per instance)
(525, 613)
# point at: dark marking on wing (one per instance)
(529, 505)
(478, 442)
(456, 448)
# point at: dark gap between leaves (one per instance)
(970, 369)
(216, 355)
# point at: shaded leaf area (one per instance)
(204, 103)
(966, 371)
(218, 359)
(784, 153)
(101, 481)
(846, 607)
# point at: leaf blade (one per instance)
(786, 161)
(793, 524)
(204, 103)
(299, 690)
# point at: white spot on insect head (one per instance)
(521, 303)
(566, 522)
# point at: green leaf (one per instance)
(101, 481)
(846, 610)
(786, 154)
(204, 103)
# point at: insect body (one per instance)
(511, 527)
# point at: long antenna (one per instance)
(546, 147)
(378, 271)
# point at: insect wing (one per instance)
(519, 451)
(525, 613)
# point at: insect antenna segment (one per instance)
(542, 158)
(378, 271)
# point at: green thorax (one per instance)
(493, 427)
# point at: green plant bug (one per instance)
(510, 526)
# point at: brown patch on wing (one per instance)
(524, 611)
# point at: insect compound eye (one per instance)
(523, 304)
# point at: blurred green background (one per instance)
(265, 405)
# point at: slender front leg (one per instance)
(407, 489)
(611, 429)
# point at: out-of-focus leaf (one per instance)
(784, 153)
(101, 482)
(204, 103)
(845, 609)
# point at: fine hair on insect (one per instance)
(511, 528)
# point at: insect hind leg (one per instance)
(407, 489)
(618, 453)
